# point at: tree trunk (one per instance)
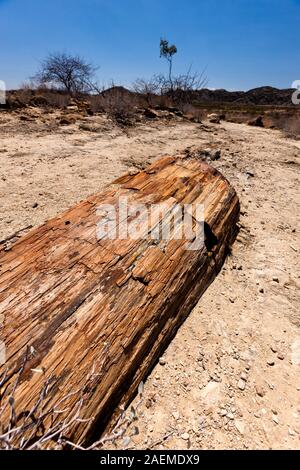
(90, 317)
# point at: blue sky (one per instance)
(243, 43)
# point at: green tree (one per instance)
(167, 51)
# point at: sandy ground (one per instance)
(230, 378)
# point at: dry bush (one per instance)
(57, 99)
(121, 113)
(119, 105)
(147, 88)
(176, 91)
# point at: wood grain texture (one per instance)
(111, 306)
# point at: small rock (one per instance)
(214, 118)
(230, 416)
(257, 122)
(34, 205)
(260, 390)
(275, 419)
(185, 436)
(275, 279)
(244, 376)
(211, 392)
(241, 384)
(261, 290)
(176, 415)
(162, 361)
(72, 108)
(240, 426)
(291, 432)
(67, 120)
(271, 362)
(273, 349)
(281, 356)
(151, 113)
(148, 403)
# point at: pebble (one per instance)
(244, 376)
(185, 436)
(274, 349)
(275, 419)
(271, 362)
(176, 415)
(280, 356)
(275, 279)
(241, 384)
(162, 361)
(260, 390)
(240, 426)
(34, 205)
(230, 416)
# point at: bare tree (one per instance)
(72, 73)
(167, 51)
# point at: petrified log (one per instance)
(89, 316)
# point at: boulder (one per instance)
(214, 118)
(151, 113)
(69, 119)
(257, 122)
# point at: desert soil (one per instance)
(230, 378)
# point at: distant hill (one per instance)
(262, 96)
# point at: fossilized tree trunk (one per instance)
(94, 315)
